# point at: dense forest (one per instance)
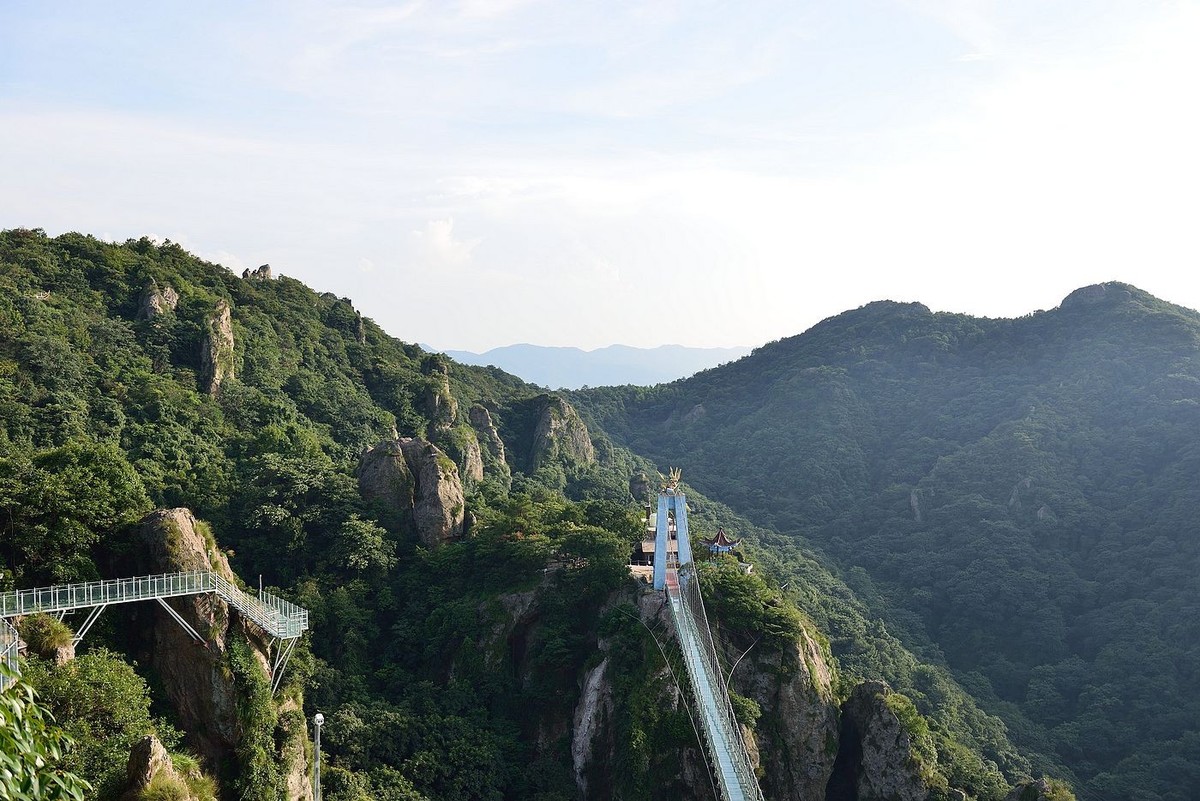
(1016, 498)
(450, 637)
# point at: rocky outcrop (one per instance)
(797, 735)
(419, 484)
(485, 429)
(876, 760)
(149, 763)
(471, 461)
(262, 273)
(156, 302)
(193, 673)
(216, 351)
(560, 435)
(440, 405)
(197, 677)
(640, 486)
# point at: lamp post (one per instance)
(318, 720)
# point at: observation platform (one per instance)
(279, 619)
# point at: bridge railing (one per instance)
(721, 729)
(274, 615)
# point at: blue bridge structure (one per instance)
(675, 574)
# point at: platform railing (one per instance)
(275, 616)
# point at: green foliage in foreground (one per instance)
(32, 749)
(105, 708)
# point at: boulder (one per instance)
(418, 482)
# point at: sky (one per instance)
(566, 172)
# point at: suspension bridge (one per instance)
(282, 621)
(675, 572)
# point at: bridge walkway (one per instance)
(280, 619)
(718, 724)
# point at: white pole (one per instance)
(318, 719)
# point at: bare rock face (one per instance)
(485, 428)
(196, 676)
(881, 757)
(592, 711)
(797, 736)
(193, 674)
(560, 435)
(472, 461)
(216, 351)
(419, 482)
(156, 302)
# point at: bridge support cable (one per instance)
(721, 730)
(93, 615)
(279, 619)
(179, 619)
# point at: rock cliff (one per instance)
(418, 484)
(797, 734)
(205, 692)
(560, 435)
(216, 351)
(877, 759)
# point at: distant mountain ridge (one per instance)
(615, 365)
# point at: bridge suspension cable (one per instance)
(675, 572)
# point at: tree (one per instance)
(31, 749)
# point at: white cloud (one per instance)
(435, 246)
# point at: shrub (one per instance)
(45, 634)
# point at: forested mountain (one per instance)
(460, 537)
(1022, 495)
(573, 368)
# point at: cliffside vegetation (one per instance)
(448, 667)
(1015, 498)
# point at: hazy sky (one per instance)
(484, 172)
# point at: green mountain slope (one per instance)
(454, 636)
(1022, 494)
